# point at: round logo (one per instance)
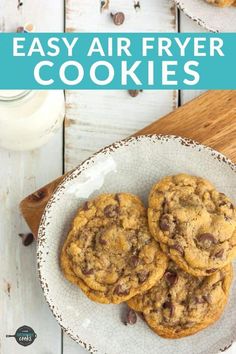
(24, 335)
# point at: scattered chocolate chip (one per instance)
(40, 194)
(27, 239)
(168, 305)
(142, 276)
(178, 248)
(119, 290)
(219, 254)
(137, 5)
(133, 261)
(130, 318)
(134, 93)
(111, 211)
(171, 278)
(206, 240)
(87, 271)
(20, 29)
(164, 222)
(104, 5)
(118, 18)
(212, 270)
(20, 3)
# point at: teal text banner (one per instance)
(98, 61)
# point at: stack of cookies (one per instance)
(170, 263)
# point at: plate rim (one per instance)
(110, 148)
(196, 19)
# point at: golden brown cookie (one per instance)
(110, 249)
(180, 304)
(221, 3)
(194, 223)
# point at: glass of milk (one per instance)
(28, 119)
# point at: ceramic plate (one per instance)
(132, 165)
(212, 18)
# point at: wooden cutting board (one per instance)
(209, 119)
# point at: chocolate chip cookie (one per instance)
(194, 223)
(110, 249)
(180, 304)
(222, 3)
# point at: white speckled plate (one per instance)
(216, 19)
(132, 165)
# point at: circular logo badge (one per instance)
(24, 335)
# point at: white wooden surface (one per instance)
(93, 120)
(21, 298)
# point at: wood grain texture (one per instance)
(210, 119)
(21, 298)
(97, 118)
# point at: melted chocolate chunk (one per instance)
(119, 290)
(111, 211)
(212, 270)
(133, 262)
(206, 240)
(87, 271)
(142, 276)
(168, 305)
(171, 278)
(164, 222)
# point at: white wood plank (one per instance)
(187, 25)
(98, 118)
(21, 298)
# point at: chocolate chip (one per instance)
(133, 261)
(206, 240)
(219, 254)
(20, 29)
(102, 241)
(119, 290)
(27, 239)
(130, 318)
(212, 270)
(178, 248)
(168, 305)
(87, 271)
(111, 211)
(134, 93)
(137, 5)
(142, 276)
(118, 18)
(171, 278)
(164, 222)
